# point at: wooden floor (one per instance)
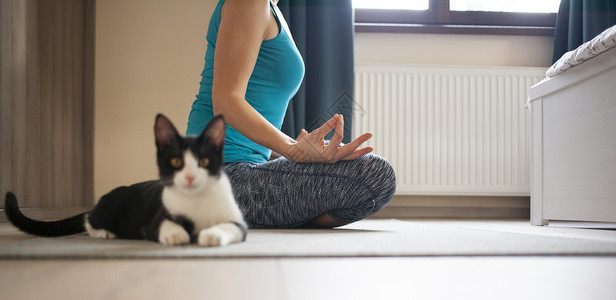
(310, 278)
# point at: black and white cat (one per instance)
(192, 200)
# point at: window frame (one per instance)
(439, 19)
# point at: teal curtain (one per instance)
(323, 32)
(578, 21)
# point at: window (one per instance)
(528, 17)
(392, 4)
(528, 6)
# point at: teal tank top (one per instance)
(277, 75)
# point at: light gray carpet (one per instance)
(365, 238)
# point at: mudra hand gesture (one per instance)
(311, 147)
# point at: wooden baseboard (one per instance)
(457, 207)
(46, 214)
(447, 207)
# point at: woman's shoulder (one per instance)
(249, 14)
(247, 10)
(248, 4)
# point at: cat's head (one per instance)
(188, 164)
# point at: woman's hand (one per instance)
(310, 147)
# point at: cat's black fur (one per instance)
(139, 211)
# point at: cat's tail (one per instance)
(70, 226)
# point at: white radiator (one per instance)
(449, 130)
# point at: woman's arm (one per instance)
(243, 27)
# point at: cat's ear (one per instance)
(215, 132)
(164, 131)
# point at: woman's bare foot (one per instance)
(324, 221)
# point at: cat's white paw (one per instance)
(213, 237)
(99, 233)
(172, 234)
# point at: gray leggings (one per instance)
(284, 194)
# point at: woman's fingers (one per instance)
(322, 131)
(338, 134)
(311, 148)
(302, 134)
(360, 140)
(348, 151)
(332, 148)
(334, 152)
(358, 153)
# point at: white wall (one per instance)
(447, 49)
(149, 56)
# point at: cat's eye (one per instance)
(204, 162)
(176, 162)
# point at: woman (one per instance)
(252, 70)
